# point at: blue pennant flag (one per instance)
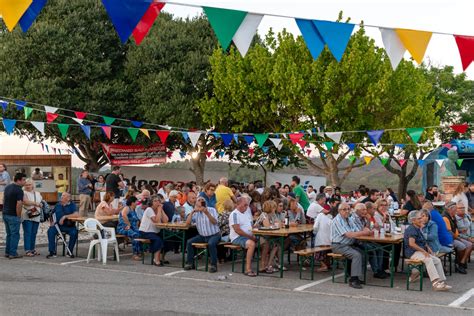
(31, 13)
(311, 36)
(185, 136)
(351, 146)
(265, 149)
(137, 124)
(182, 154)
(47, 149)
(4, 104)
(323, 155)
(221, 153)
(236, 138)
(87, 130)
(336, 35)
(400, 145)
(421, 162)
(216, 135)
(125, 15)
(285, 161)
(20, 104)
(227, 139)
(249, 139)
(9, 125)
(375, 136)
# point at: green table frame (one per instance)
(180, 235)
(386, 248)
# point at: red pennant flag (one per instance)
(42, 146)
(251, 151)
(302, 143)
(142, 28)
(295, 137)
(402, 162)
(54, 149)
(80, 115)
(107, 131)
(163, 135)
(50, 117)
(466, 49)
(208, 154)
(447, 146)
(308, 152)
(169, 154)
(460, 128)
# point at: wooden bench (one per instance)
(204, 251)
(309, 252)
(236, 249)
(145, 245)
(336, 258)
(447, 256)
(418, 265)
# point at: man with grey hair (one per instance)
(316, 206)
(223, 193)
(343, 234)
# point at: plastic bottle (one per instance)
(382, 232)
(287, 220)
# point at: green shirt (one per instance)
(303, 198)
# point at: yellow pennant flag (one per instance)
(145, 131)
(12, 11)
(415, 42)
(367, 159)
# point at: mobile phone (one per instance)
(203, 203)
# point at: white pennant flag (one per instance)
(39, 126)
(335, 136)
(321, 134)
(393, 46)
(275, 161)
(276, 141)
(244, 35)
(280, 145)
(78, 120)
(194, 137)
(50, 109)
(440, 162)
(309, 132)
(236, 152)
(335, 156)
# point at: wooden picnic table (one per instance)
(386, 244)
(102, 219)
(175, 230)
(281, 234)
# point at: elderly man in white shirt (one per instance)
(317, 206)
(322, 230)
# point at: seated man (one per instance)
(241, 232)
(63, 210)
(461, 246)
(207, 226)
(343, 233)
(417, 248)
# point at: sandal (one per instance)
(269, 270)
(29, 254)
(250, 274)
(36, 253)
(160, 264)
(137, 258)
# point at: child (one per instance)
(179, 216)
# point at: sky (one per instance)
(454, 17)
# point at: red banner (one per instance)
(121, 155)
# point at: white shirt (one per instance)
(242, 219)
(314, 209)
(461, 197)
(322, 228)
(312, 196)
(32, 196)
(187, 209)
(147, 224)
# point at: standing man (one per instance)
(12, 206)
(114, 184)
(205, 219)
(4, 181)
(223, 193)
(470, 197)
(62, 185)
(84, 187)
(298, 190)
(311, 194)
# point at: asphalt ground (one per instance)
(62, 286)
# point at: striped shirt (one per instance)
(359, 222)
(339, 227)
(204, 226)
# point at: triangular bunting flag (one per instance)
(415, 133)
(146, 22)
(235, 152)
(9, 125)
(50, 117)
(447, 146)
(216, 135)
(367, 159)
(208, 154)
(87, 130)
(328, 145)
(227, 139)
(12, 11)
(311, 36)
(194, 137)
(30, 15)
(185, 136)
(302, 143)
(249, 139)
(251, 151)
(421, 162)
(393, 46)
(402, 162)
(351, 146)
(182, 154)
(236, 138)
(247, 29)
(352, 159)
(308, 152)
(80, 115)
(27, 111)
(20, 104)
(77, 120)
(63, 128)
(46, 148)
(375, 136)
(415, 42)
(459, 162)
(137, 124)
(286, 160)
(107, 130)
(265, 149)
(466, 49)
(169, 154)
(4, 104)
(401, 146)
(133, 133)
(336, 35)
(275, 141)
(39, 126)
(145, 132)
(163, 135)
(335, 136)
(125, 15)
(225, 23)
(50, 109)
(323, 155)
(384, 161)
(261, 138)
(460, 128)
(439, 162)
(108, 120)
(295, 137)
(221, 154)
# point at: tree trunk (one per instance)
(402, 186)
(198, 166)
(92, 155)
(264, 175)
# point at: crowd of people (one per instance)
(229, 212)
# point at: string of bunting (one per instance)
(134, 18)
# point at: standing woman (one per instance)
(153, 215)
(460, 196)
(30, 216)
(99, 188)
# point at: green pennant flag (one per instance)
(108, 120)
(63, 128)
(352, 158)
(459, 162)
(133, 133)
(28, 111)
(384, 160)
(415, 133)
(225, 23)
(261, 139)
(328, 145)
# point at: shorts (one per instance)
(241, 241)
(460, 244)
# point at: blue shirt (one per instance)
(4, 177)
(82, 186)
(204, 226)
(210, 201)
(63, 210)
(413, 232)
(444, 237)
(339, 227)
(359, 222)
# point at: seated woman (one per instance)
(296, 217)
(105, 209)
(430, 231)
(223, 222)
(268, 218)
(154, 214)
(128, 225)
(322, 230)
(417, 248)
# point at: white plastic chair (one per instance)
(94, 227)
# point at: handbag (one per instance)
(34, 212)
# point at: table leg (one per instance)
(392, 264)
(183, 249)
(282, 241)
(366, 254)
(258, 255)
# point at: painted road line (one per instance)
(173, 273)
(462, 299)
(304, 287)
(85, 260)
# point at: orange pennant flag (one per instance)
(12, 11)
(145, 132)
(415, 42)
(367, 159)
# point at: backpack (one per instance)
(45, 211)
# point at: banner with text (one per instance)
(121, 155)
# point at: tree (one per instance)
(278, 87)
